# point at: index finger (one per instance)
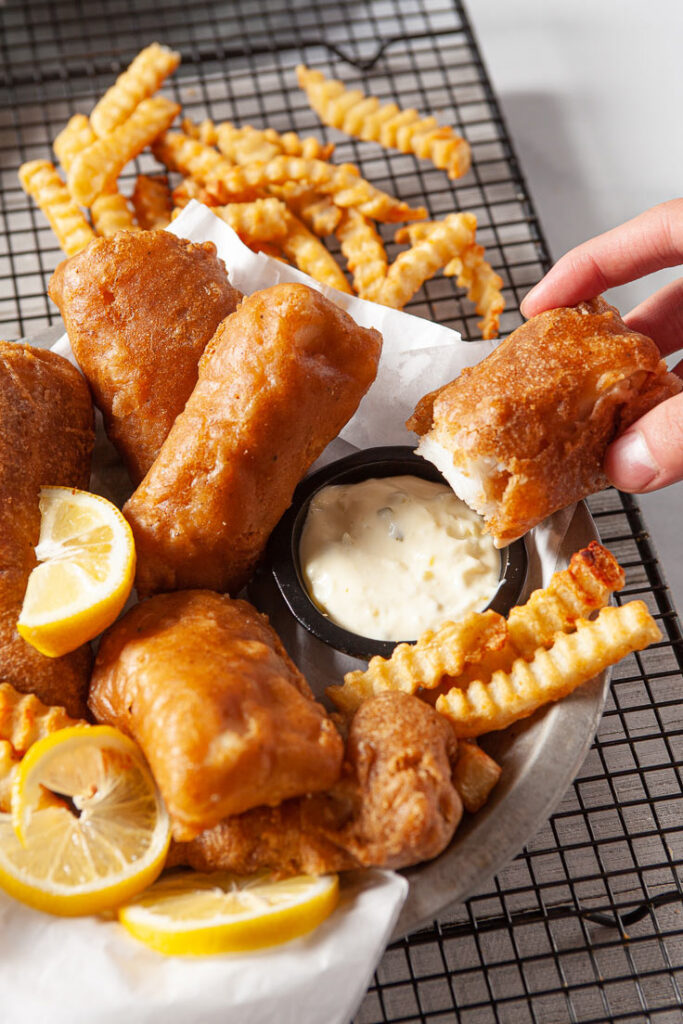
(648, 242)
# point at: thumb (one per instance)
(649, 455)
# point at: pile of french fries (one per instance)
(486, 672)
(280, 192)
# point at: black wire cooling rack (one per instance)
(586, 925)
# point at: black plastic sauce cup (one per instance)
(282, 555)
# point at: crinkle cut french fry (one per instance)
(309, 147)
(573, 659)
(76, 136)
(250, 145)
(195, 160)
(473, 273)
(23, 720)
(585, 586)
(365, 118)
(318, 212)
(349, 189)
(412, 268)
(413, 233)
(204, 132)
(247, 145)
(96, 168)
(474, 776)
(364, 251)
(573, 593)
(342, 182)
(110, 213)
(40, 180)
(268, 249)
(264, 220)
(152, 201)
(190, 157)
(188, 189)
(440, 652)
(229, 183)
(483, 287)
(308, 253)
(141, 79)
(8, 763)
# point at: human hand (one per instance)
(648, 455)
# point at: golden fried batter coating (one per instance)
(524, 432)
(394, 806)
(225, 719)
(46, 437)
(139, 309)
(277, 382)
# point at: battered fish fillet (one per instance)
(394, 806)
(46, 437)
(225, 719)
(524, 432)
(139, 309)
(278, 381)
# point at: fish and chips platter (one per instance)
(356, 801)
(552, 746)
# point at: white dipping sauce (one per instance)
(389, 558)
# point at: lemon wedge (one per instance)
(190, 914)
(87, 565)
(88, 828)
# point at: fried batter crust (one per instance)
(139, 308)
(225, 719)
(543, 407)
(394, 806)
(46, 437)
(278, 381)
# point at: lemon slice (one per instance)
(189, 914)
(87, 565)
(88, 829)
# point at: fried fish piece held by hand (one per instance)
(394, 806)
(46, 437)
(225, 719)
(277, 382)
(524, 432)
(139, 309)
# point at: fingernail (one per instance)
(631, 463)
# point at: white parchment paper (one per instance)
(89, 970)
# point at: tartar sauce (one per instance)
(388, 558)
